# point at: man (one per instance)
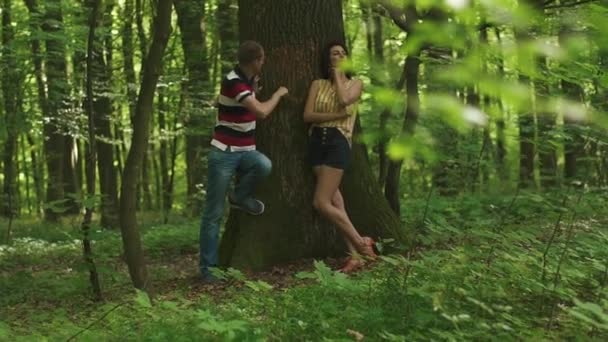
(233, 150)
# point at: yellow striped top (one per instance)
(327, 102)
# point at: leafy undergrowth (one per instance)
(524, 267)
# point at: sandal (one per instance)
(367, 249)
(352, 264)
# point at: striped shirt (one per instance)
(235, 127)
(327, 102)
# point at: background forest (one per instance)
(480, 165)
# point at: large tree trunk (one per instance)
(189, 17)
(139, 143)
(10, 77)
(290, 229)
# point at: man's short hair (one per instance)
(249, 51)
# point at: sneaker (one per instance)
(210, 279)
(250, 205)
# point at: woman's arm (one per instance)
(310, 116)
(346, 96)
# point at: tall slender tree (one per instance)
(58, 92)
(11, 75)
(102, 113)
(190, 14)
(139, 143)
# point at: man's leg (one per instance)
(221, 167)
(253, 167)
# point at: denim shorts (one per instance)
(328, 146)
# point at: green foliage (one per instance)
(476, 273)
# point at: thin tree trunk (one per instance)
(10, 77)
(189, 17)
(163, 158)
(141, 132)
(91, 151)
(157, 179)
(145, 181)
(26, 173)
(574, 144)
(102, 115)
(141, 31)
(227, 26)
(547, 151)
(501, 149)
(527, 131)
(366, 9)
(393, 177)
(127, 54)
(58, 94)
(71, 175)
(36, 173)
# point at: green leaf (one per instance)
(142, 299)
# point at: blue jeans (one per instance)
(251, 167)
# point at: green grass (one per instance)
(483, 269)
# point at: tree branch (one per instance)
(396, 14)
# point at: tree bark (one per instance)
(527, 132)
(102, 113)
(10, 77)
(501, 140)
(189, 17)
(290, 229)
(57, 98)
(139, 143)
(166, 191)
(227, 26)
(547, 151)
(574, 144)
(393, 177)
(91, 156)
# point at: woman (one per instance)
(331, 109)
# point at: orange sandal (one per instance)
(368, 248)
(352, 264)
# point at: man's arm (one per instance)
(263, 109)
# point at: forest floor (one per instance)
(533, 267)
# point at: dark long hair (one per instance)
(325, 59)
